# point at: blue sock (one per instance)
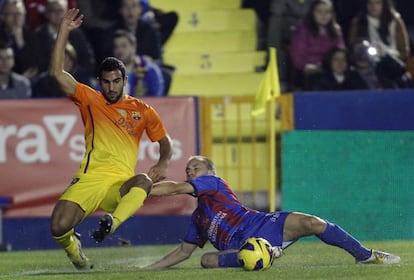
(336, 236)
(228, 260)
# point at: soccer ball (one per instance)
(255, 254)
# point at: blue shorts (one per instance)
(268, 226)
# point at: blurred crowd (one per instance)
(338, 44)
(131, 30)
(321, 44)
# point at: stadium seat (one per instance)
(212, 41)
(195, 5)
(216, 62)
(213, 48)
(234, 120)
(248, 165)
(209, 85)
(216, 20)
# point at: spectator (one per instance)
(12, 85)
(163, 22)
(365, 59)
(36, 11)
(45, 86)
(47, 34)
(21, 38)
(262, 10)
(130, 20)
(144, 76)
(317, 33)
(382, 25)
(284, 16)
(336, 73)
(100, 15)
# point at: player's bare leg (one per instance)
(298, 225)
(66, 215)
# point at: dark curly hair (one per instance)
(111, 64)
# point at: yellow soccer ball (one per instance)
(255, 254)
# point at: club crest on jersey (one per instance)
(136, 115)
(122, 112)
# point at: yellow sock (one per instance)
(67, 242)
(129, 204)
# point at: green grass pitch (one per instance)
(303, 260)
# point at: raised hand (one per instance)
(72, 19)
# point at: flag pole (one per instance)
(272, 163)
(269, 89)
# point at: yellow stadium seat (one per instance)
(216, 62)
(211, 41)
(245, 179)
(234, 120)
(214, 20)
(179, 5)
(243, 165)
(209, 85)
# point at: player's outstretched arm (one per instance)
(70, 21)
(179, 254)
(171, 188)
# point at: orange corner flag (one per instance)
(269, 85)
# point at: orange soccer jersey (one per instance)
(113, 131)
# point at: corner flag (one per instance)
(269, 85)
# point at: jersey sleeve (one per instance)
(155, 128)
(193, 235)
(205, 183)
(81, 94)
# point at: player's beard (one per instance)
(114, 96)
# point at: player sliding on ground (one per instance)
(221, 219)
(114, 123)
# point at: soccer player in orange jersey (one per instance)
(114, 123)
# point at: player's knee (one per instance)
(209, 260)
(313, 225)
(54, 230)
(66, 215)
(143, 181)
(58, 227)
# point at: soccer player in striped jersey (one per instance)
(221, 219)
(114, 123)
